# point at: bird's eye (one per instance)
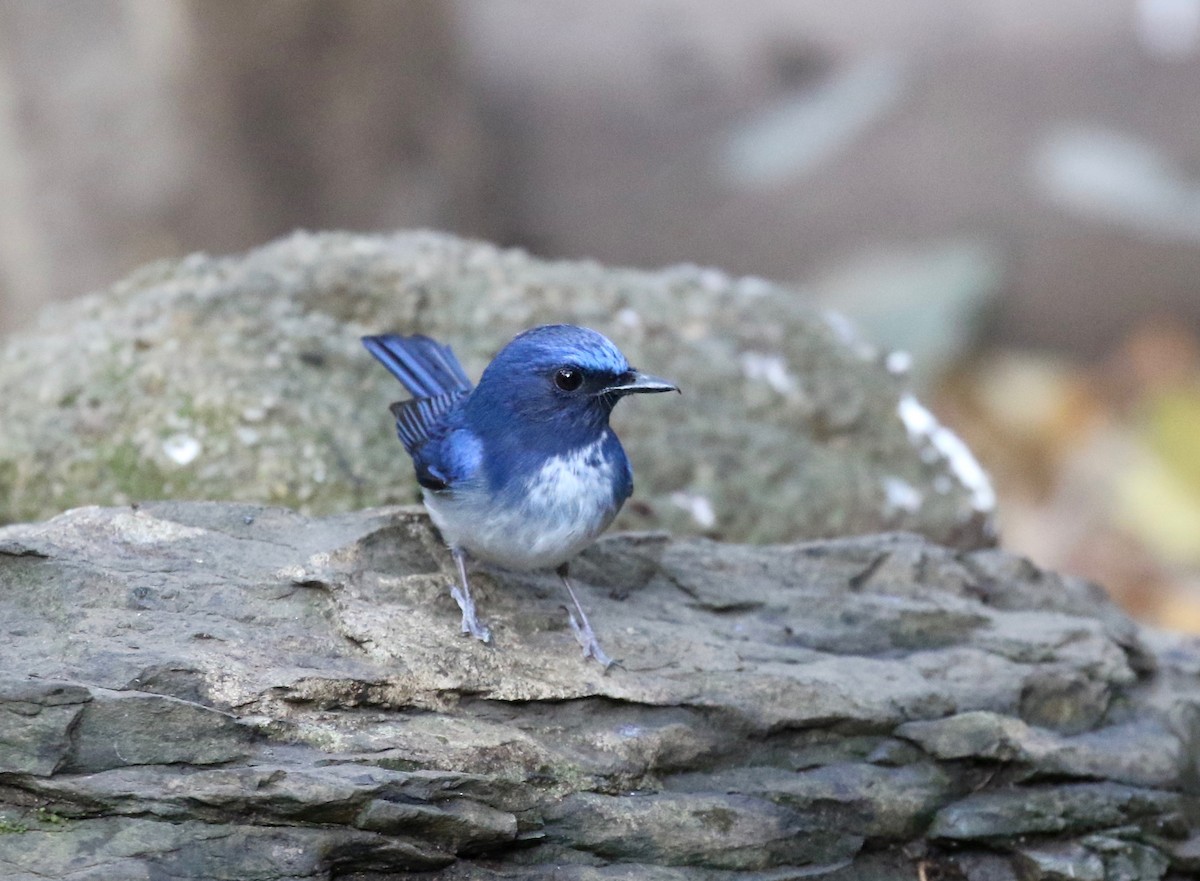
(568, 378)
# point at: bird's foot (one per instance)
(586, 638)
(470, 623)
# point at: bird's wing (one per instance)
(416, 419)
(450, 459)
(444, 452)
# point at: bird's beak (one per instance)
(634, 383)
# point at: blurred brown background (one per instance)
(1008, 189)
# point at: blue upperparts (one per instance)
(550, 391)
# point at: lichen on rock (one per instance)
(242, 378)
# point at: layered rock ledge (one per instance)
(215, 690)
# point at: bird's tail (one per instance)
(425, 367)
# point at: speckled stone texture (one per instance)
(214, 690)
(242, 378)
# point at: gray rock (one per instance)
(242, 378)
(1046, 810)
(1141, 752)
(1127, 859)
(149, 729)
(1061, 862)
(34, 724)
(218, 690)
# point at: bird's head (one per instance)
(565, 376)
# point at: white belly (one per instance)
(565, 505)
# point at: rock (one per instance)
(1104, 753)
(34, 729)
(242, 378)
(221, 690)
(1069, 862)
(148, 729)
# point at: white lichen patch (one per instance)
(900, 496)
(629, 318)
(848, 334)
(293, 572)
(771, 369)
(712, 279)
(140, 528)
(924, 430)
(182, 449)
(898, 363)
(698, 507)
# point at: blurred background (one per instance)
(1008, 190)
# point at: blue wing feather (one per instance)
(415, 419)
(427, 368)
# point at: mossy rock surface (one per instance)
(242, 378)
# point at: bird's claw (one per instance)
(586, 638)
(470, 624)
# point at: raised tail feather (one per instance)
(432, 376)
(427, 368)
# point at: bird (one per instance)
(521, 471)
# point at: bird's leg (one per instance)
(580, 626)
(462, 596)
